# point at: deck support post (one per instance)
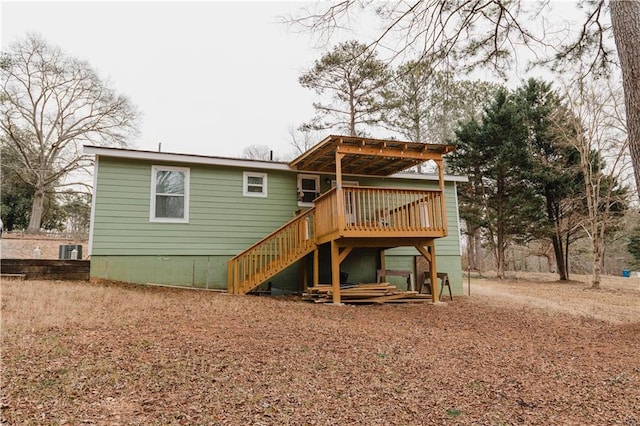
(433, 271)
(339, 193)
(304, 272)
(335, 272)
(429, 253)
(316, 267)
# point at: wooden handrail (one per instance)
(368, 212)
(272, 254)
(385, 210)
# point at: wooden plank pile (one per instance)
(365, 293)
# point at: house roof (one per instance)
(366, 156)
(180, 158)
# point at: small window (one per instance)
(308, 189)
(169, 194)
(254, 184)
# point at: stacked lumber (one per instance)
(365, 293)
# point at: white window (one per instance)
(169, 194)
(308, 189)
(254, 184)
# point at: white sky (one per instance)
(210, 78)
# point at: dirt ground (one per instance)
(524, 351)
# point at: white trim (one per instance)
(185, 158)
(152, 204)
(455, 197)
(245, 184)
(237, 162)
(92, 221)
(307, 176)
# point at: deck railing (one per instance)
(272, 254)
(382, 211)
(363, 212)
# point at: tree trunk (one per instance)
(556, 238)
(559, 255)
(500, 258)
(595, 282)
(625, 21)
(473, 240)
(37, 210)
(352, 118)
(500, 265)
(566, 256)
(477, 250)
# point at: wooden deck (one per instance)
(347, 217)
(371, 217)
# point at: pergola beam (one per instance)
(389, 152)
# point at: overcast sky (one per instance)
(209, 77)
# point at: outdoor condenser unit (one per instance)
(66, 251)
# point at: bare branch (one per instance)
(51, 104)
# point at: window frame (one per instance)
(152, 209)
(245, 184)
(316, 178)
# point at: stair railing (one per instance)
(272, 254)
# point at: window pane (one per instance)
(254, 180)
(169, 206)
(309, 184)
(169, 182)
(254, 188)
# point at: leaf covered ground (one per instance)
(109, 354)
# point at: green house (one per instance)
(342, 211)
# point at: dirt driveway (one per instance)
(520, 352)
(617, 302)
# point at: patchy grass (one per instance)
(79, 353)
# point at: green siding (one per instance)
(196, 271)
(127, 246)
(221, 220)
(189, 271)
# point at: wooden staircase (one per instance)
(274, 253)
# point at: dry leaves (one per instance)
(78, 353)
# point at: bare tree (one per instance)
(50, 105)
(600, 136)
(301, 140)
(489, 32)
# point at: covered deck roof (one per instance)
(366, 156)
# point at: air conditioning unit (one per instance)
(67, 251)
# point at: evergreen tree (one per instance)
(633, 246)
(555, 174)
(499, 197)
